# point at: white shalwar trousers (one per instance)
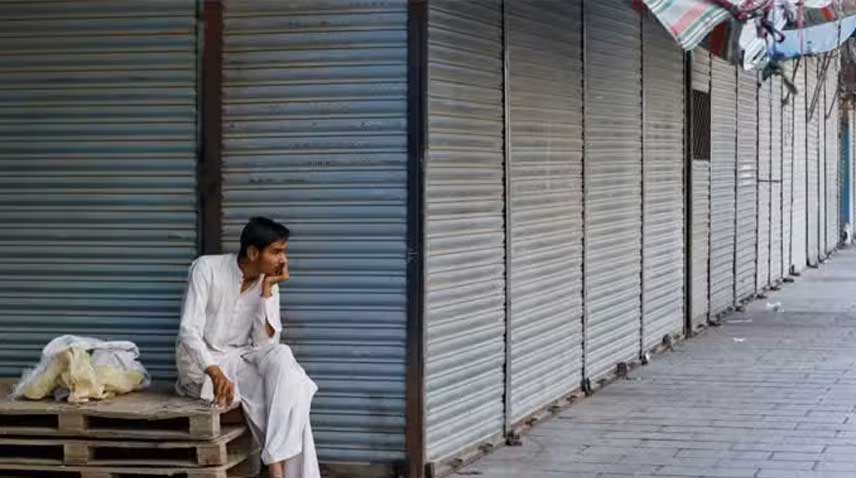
(276, 395)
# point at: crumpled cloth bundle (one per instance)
(82, 369)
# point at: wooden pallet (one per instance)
(151, 414)
(237, 467)
(64, 451)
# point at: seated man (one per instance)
(229, 350)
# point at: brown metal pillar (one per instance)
(417, 93)
(209, 179)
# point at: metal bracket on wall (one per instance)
(824, 68)
(787, 98)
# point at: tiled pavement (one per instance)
(770, 394)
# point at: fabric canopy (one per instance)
(690, 21)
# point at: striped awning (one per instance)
(691, 21)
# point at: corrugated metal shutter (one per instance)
(850, 181)
(723, 179)
(776, 182)
(747, 183)
(832, 155)
(762, 271)
(787, 171)
(836, 117)
(800, 196)
(663, 172)
(823, 161)
(465, 248)
(700, 224)
(98, 137)
(812, 160)
(315, 136)
(700, 242)
(613, 187)
(701, 70)
(545, 156)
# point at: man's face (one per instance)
(272, 260)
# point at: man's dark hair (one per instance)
(262, 232)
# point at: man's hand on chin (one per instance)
(271, 280)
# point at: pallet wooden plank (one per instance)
(237, 467)
(234, 441)
(152, 414)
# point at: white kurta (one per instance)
(220, 325)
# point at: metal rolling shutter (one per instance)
(545, 230)
(800, 196)
(464, 228)
(812, 160)
(823, 163)
(315, 136)
(837, 117)
(98, 137)
(700, 222)
(613, 187)
(849, 172)
(832, 156)
(776, 182)
(700, 225)
(700, 242)
(663, 189)
(787, 172)
(723, 167)
(701, 70)
(762, 271)
(747, 183)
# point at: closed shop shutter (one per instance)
(700, 242)
(747, 184)
(836, 117)
(812, 160)
(613, 186)
(545, 228)
(762, 270)
(776, 182)
(823, 163)
(701, 70)
(315, 136)
(849, 178)
(663, 189)
(800, 181)
(832, 156)
(464, 227)
(98, 155)
(787, 171)
(700, 224)
(723, 184)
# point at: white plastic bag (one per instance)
(83, 368)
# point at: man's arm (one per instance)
(190, 332)
(269, 329)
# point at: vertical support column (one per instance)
(688, 193)
(642, 111)
(506, 100)
(209, 184)
(417, 94)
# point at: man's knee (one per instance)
(280, 359)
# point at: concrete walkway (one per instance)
(769, 394)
